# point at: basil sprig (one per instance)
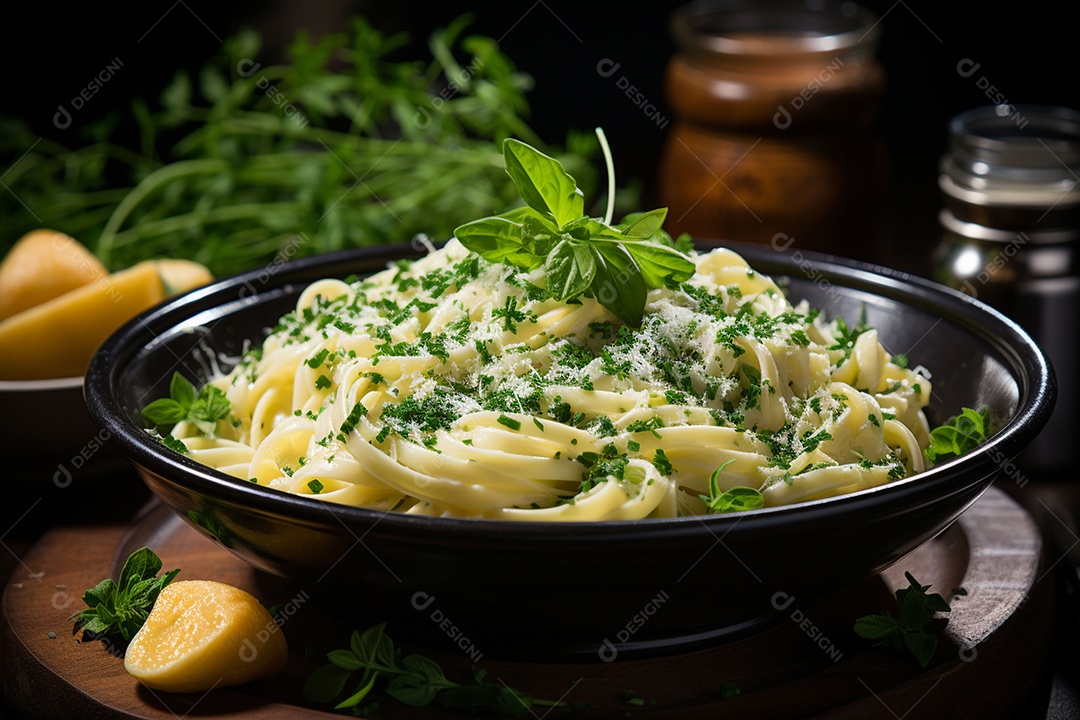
(204, 408)
(915, 629)
(414, 680)
(958, 435)
(581, 256)
(117, 610)
(737, 499)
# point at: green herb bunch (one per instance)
(117, 610)
(203, 408)
(959, 434)
(916, 627)
(410, 679)
(245, 164)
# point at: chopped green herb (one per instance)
(315, 486)
(170, 442)
(846, 336)
(661, 462)
(358, 411)
(509, 422)
(317, 360)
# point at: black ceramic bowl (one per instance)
(544, 591)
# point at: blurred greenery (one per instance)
(340, 147)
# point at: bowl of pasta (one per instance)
(408, 432)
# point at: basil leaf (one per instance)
(539, 237)
(937, 603)
(210, 406)
(922, 645)
(374, 647)
(493, 238)
(659, 264)
(684, 243)
(140, 565)
(90, 624)
(570, 269)
(130, 626)
(958, 435)
(354, 699)
(913, 610)
(877, 627)
(181, 390)
(645, 225)
(164, 411)
(618, 284)
(412, 690)
(101, 594)
(737, 499)
(344, 659)
(426, 667)
(145, 592)
(173, 444)
(543, 183)
(325, 684)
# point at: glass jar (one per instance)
(771, 139)
(1010, 184)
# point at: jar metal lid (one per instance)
(773, 30)
(1013, 155)
(1059, 194)
(980, 232)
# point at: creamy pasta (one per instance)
(452, 386)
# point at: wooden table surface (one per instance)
(102, 519)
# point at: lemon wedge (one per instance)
(203, 634)
(58, 337)
(43, 265)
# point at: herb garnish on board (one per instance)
(117, 610)
(414, 680)
(916, 627)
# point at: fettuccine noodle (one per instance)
(451, 386)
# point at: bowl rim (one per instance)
(1037, 392)
(64, 383)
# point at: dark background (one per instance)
(1029, 51)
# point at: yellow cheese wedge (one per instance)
(203, 634)
(42, 265)
(57, 338)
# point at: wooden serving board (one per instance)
(810, 663)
